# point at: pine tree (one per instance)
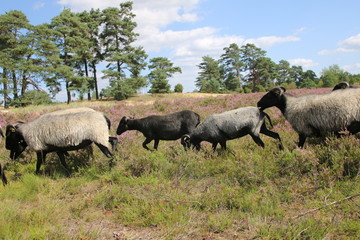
(210, 77)
(123, 59)
(232, 65)
(161, 70)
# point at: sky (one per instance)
(314, 34)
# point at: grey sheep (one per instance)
(314, 115)
(59, 133)
(218, 128)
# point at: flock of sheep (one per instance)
(77, 128)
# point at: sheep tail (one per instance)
(3, 177)
(268, 117)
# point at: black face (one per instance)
(187, 141)
(123, 127)
(342, 85)
(14, 142)
(272, 98)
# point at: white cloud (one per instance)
(306, 63)
(351, 44)
(38, 5)
(269, 41)
(354, 68)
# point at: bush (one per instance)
(178, 88)
(33, 97)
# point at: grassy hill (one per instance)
(244, 192)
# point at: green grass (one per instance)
(244, 192)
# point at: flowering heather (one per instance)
(244, 192)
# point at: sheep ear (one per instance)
(278, 91)
(10, 129)
(187, 138)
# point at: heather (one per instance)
(244, 192)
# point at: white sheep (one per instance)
(59, 133)
(314, 115)
(218, 128)
(112, 140)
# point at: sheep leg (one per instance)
(113, 141)
(223, 145)
(302, 139)
(147, 140)
(156, 143)
(40, 158)
(105, 150)
(214, 145)
(272, 134)
(3, 177)
(62, 160)
(257, 140)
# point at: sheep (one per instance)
(314, 115)
(218, 128)
(112, 140)
(342, 85)
(2, 173)
(58, 133)
(156, 127)
(3, 177)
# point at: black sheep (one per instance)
(157, 127)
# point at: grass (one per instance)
(244, 192)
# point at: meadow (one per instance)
(244, 192)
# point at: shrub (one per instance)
(33, 97)
(178, 88)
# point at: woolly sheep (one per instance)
(58, 133)
(218, 128)
(112, 140)
(166, 127)
(313, 115)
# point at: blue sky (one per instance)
(313, 34)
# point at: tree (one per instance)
(161, 70)
(249, 56)
(333, 75)
(117, 36)
(265, 71)
(308, 80)
(210, 77)
(178, 88)
(15, 52)
(233, 66)
(69, 38)
(283, 73)
(90, 55)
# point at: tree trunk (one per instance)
(15, 91)
(95, 82)
(23, 84)
(5, 88)
(68, 93)
(87, 77)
